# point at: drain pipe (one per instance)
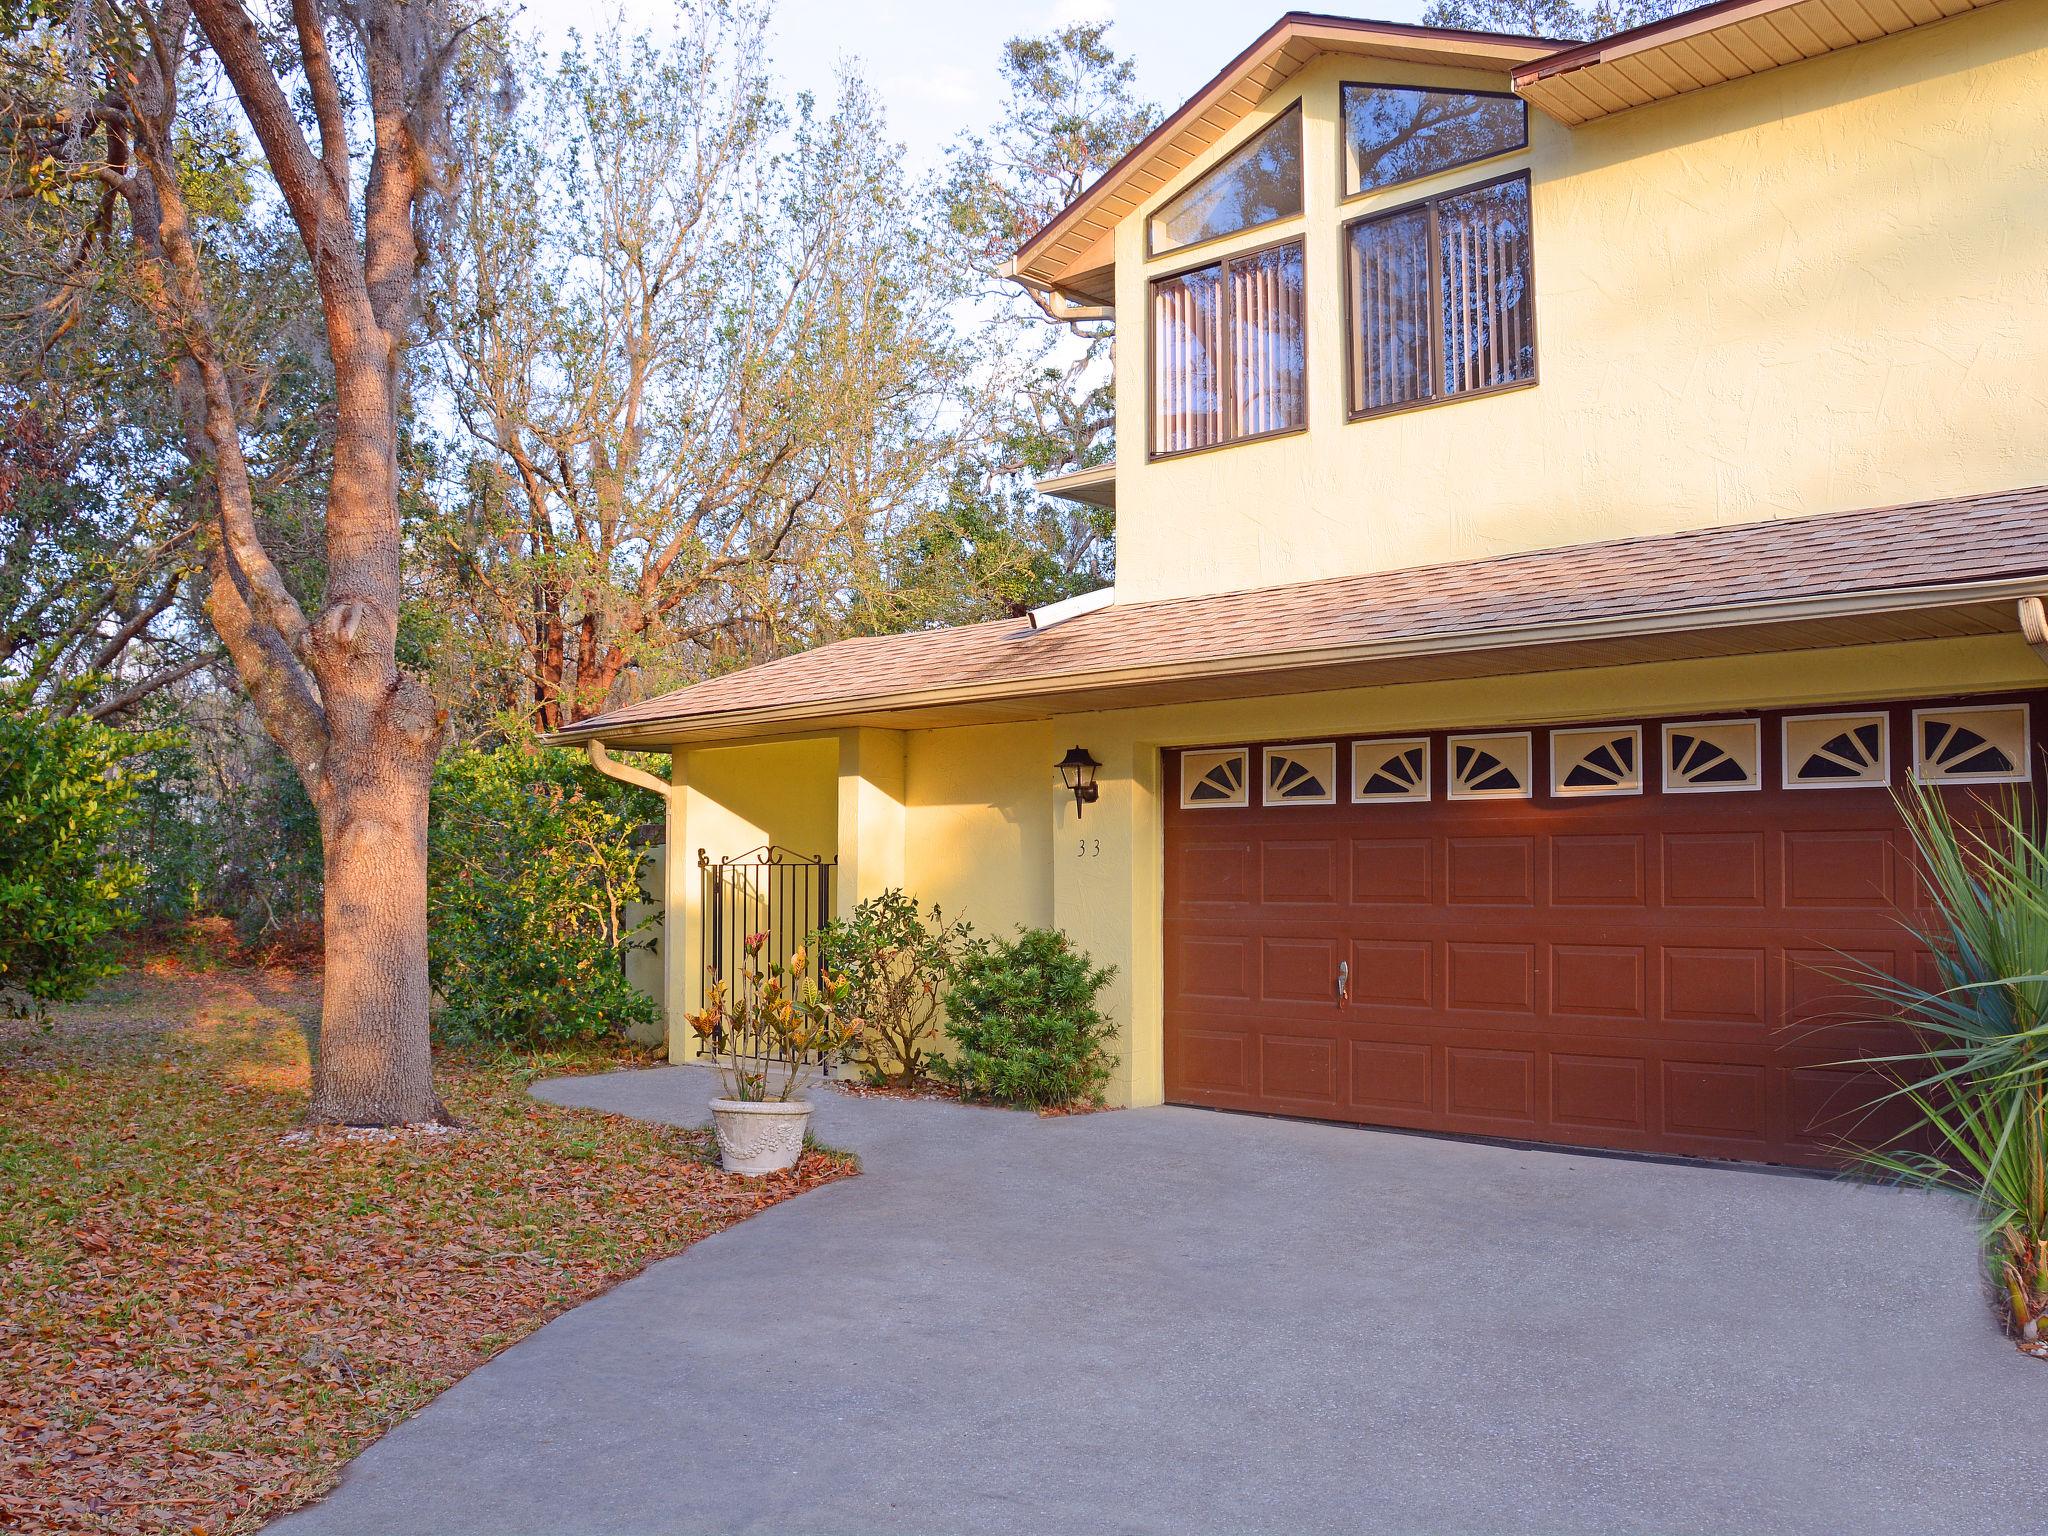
(625, 773)
(2034, 624)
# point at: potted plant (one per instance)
(780, 1023)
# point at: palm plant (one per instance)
(1977, 1085)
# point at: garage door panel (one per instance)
(1588, 870)
(1847, 868)
(1722, 1099)
(1717, 985)
(1392, 871)
(1299, 870)
(1828, 1105)
(1499, 978)
(1214, 967)
(1493, 1084)
(1393, 973)
(1663, 973)
(1713, 869)
(1598, 979)
(1299, 1068)
(1819, 984)
(1491, 871)
(1213, 872)
(1395, 1079)
(1298, 970)
(1212, 1060)
(1600, 1092)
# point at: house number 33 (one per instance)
(1088, 848)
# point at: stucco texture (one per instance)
(1813, 290)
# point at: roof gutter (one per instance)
(2010, 589)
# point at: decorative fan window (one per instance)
(1305, 775)
(1703, 757)
(1848, 751)
(1604, 760)
(1214, 778)
(1490, 767)
(1386, 771)
(1985, 744)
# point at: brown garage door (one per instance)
(1628, 936)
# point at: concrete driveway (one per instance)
(1177, 1321)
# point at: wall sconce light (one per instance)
(1077, 772)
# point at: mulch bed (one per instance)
(203, 1316)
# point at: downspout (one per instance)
(671, 885)
(2034, 624)
(1057, 305)
(625, 773)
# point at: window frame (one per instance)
(1436, 283)
(1300, 114)
(1346, 195)
(1153, 452)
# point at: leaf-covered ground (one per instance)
(202, 1318)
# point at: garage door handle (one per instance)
(1343, 980)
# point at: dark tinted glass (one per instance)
(1394, 134)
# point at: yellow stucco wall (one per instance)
(1817, 289)
(979, 822)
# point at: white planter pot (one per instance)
(757, 1138)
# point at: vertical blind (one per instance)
(1229, 354)
(1440, 300)
(1187, 368)
(1266, 354)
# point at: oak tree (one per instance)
(344, 100)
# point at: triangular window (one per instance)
(1257, 183)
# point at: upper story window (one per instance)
(1228, 356)
(1439, 298)
(1259, 182)
(1397, 133)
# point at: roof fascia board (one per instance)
(2010, 589)
(1651, 34)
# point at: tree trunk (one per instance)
(372, 1066)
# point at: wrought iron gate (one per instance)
(772, 891)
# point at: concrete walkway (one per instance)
(1176, 1321)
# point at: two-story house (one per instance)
(1564, 495)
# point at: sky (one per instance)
(935, 61)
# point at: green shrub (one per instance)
(897, 959)
(66, 797)
(530, 868)
(1023, 1020)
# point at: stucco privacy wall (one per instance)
(1815, 289)
(982, 828)
(727, 801)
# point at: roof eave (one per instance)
(743, 723)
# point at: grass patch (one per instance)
(202, 1319)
